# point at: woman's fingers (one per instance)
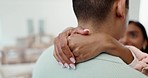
(145, 70)
(65, 48)
(81, 31)
(62, 51)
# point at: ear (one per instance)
(121, 8)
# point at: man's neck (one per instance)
(93, 27)
(98, 28)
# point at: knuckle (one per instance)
(76, 52)
(60, 53)
(69, 55)
(63, 46)
(61, 35)
(77, 49)
(72, 44)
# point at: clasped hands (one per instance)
(76, 45)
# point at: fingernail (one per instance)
(146, 68)
(72, 60)
(86, 29)
(61, 64)
(66, 65)
(72, 66)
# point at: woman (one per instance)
(136, 35)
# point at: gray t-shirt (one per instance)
(103, 66)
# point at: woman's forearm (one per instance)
(114, 47)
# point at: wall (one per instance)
(57, 15)
(143, 16)
(134, 9)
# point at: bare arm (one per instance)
(87, 47)
(117, 49)
(83, 47)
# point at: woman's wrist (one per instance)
(111, 46)
(119, 50)
(126, 55)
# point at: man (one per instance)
(99, 16)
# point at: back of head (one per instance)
(96, 10)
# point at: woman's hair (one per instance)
(144, 33)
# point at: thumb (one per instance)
(82, 31)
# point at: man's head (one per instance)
(101, 11)
(93, 9)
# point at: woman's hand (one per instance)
(142, 67)
(145, 69)
(62, 52)
(85, 47)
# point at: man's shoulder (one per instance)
(47, 53)
(43, 62)
(47, 66)
(110, 58)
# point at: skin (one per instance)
(108, 45)
(133, 36)
(73, 45)
(65, 50)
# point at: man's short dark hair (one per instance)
(96, 10)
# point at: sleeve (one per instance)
(135, 61)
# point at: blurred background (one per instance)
(27, 27)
